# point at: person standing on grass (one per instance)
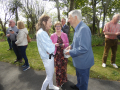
(13, 31)
(46, 49)
(80, 50)
(22, 43)
(111, 30)
(8, 38)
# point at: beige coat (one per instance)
(22, 37)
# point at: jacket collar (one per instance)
(76, 28)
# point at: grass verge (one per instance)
(97, 71)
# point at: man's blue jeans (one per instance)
(9, 42)
(82, 78)
(23, 52)
(16, 51)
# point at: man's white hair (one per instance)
(116, 15)
(12, 20)
(77, 13)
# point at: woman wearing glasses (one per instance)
(60, 40)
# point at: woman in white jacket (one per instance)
(46, 49)
(22, 43)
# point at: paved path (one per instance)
(13, 78)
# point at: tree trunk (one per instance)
(94, 14)
(71, 8)
(3, 26)
(16, 15)
(58, 10)
(105, 7)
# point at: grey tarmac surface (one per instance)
(13, 78)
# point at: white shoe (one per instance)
(103, 65)
(54, 87)
(114, 65)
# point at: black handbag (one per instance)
(118, 36)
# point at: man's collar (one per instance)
(78, 25)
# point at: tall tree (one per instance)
(94, 14)
(4, 18)
(105, 4)
(58, 10)
(113, 8)
(14, 6)
(32, 11)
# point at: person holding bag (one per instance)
(22, 43)
(60, 40)
(46, 49)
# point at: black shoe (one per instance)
(74, 87)
(20, 61)
(26, 68)
(62, 85)
(10, 49)
(16, 61)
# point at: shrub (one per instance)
(1, 33)
(97, 40)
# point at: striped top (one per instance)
(111, 27)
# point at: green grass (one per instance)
(97, 71)
(108, 73)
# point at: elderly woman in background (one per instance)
(22, 43)
(60, 40)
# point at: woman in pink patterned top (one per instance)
(60, 40)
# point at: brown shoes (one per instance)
(18, 61)
(9, 49)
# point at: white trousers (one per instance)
(49, 68)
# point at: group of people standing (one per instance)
(51, 47)
(17, 39)
(51, 50)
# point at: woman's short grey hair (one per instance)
(77, 13)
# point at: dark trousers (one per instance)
(110, 43)
(16, 51)
(82, 78)
(9, 42)
(23, 52)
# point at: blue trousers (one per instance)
(16, 51)
(23, 52)
(82, 78)
(9, 42)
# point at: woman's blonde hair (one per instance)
(58, 23)
(43, 18)
(20, 25)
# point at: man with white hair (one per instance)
(12, 34)
(80, 50)
(111, 30)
